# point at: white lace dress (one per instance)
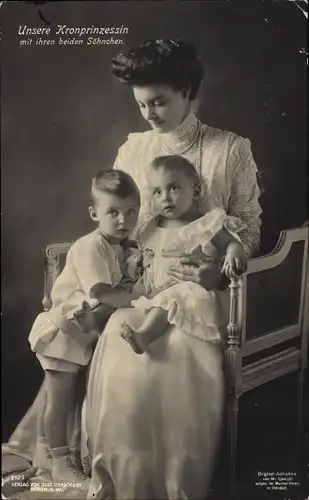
(224, 161)
(190, 307)
(152, 422)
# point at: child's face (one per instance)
(172, 192)
(116, 217)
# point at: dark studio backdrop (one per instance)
(63, 117)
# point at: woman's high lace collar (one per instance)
(184, 136)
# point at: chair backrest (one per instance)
(54, 257)
(274, 294)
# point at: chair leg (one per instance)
(301, 382)
(300, 417)
(233, 409)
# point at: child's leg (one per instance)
(60, 395)
(42, 458)
(153, 327)
(60, 398)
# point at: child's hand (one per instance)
(235, 262)
(84, 317)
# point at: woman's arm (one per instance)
(222, 239)
(245, 193)
(244, 197)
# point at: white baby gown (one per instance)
(190, 307)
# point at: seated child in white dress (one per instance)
(181, 230)
(89, 284)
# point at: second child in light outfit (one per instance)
(92, 284)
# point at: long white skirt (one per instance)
(153, 421)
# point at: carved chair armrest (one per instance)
(52, 255)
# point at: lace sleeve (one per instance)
(127, 153)
(245, 193)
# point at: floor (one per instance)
(268, 462)
(267, 435)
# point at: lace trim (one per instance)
(187, 319)
(179, 140)
(201, 232)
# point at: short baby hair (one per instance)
(115, 182)
(173, 163)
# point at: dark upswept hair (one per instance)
(172, 163)
(160, 62)
(114, 182)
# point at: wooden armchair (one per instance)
(54, 260)
(269, 306)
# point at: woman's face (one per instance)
(162, 106)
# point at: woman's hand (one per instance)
(206, 274)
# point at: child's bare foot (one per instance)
(153, 326)
(84, 317)
(134, 338)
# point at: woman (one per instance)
(151, 423)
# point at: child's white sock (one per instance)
(42, 457)
(63, 470)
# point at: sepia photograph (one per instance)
(155, 277)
